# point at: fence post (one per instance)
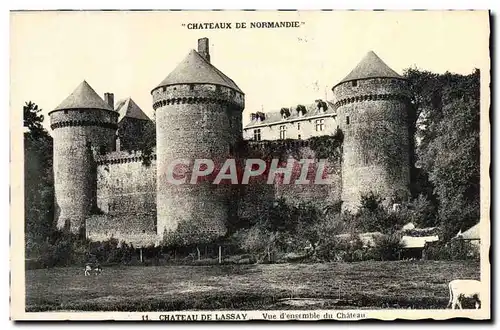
(220, 254)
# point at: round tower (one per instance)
(82, 124)
(198, 116)
(372, 104)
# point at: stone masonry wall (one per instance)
(126, 198)
(192, 122)
(258, 196)
(373, 118)
(76, 133)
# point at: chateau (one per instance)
(104, 186)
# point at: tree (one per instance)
(451, 157)
(33, 120)
(38, 180)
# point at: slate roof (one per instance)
(83, 97)
(275, 116)
(410, 242)
(195, 69)
(471, 233)
(371, 66)
(128, 108)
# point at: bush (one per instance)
(388, 247)
(340, 248)
(453, 250)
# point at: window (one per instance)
(299, 137)
(191, 87)
(354, 83)
(298, 126)
(102, 150)
(347, 121)
(282, 132)
(256, 134)
(320, 125)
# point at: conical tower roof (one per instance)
(83, 97)
(371, 66)
(195, 69)
(128, 108)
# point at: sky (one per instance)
(129, 53)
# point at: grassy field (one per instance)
(374, 285)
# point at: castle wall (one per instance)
(125, 185)
(373, 118)
(258, 196)
(126, 198)
(136, 229)
(193, 121)
(76, 133)
(318, 194)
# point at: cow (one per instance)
(460, 289)
(97, 269)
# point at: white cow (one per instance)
(460, 289)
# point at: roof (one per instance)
(417, 242)
(371, 66)
(409, 226)
(128, 108)
(275, 116)
(83, 97)
(195, 69)
(471, 233)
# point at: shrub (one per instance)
(388, 247)
(453, 250)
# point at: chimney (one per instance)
(110, 99)
(203, 48)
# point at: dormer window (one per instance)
(322, 106)
(301, 110)
(285, 113)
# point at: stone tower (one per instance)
(198, 116)
(372, 104)
(81, 124)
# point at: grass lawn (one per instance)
(369, 284)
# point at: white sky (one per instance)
(129, 53)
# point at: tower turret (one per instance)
(198, 116)
(81, 124)
(372, 104)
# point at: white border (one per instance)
(186, 4)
